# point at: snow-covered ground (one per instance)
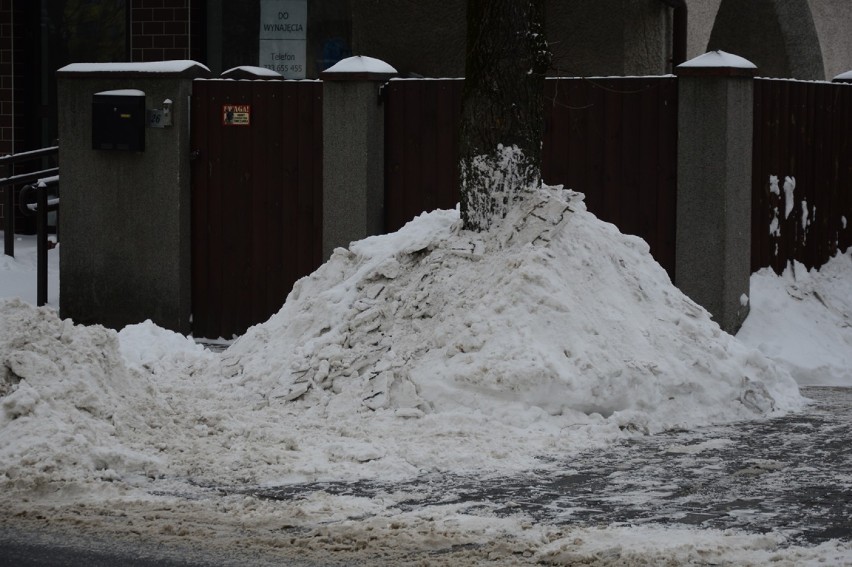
(428, 350)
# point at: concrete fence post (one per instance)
(353, 151)
(124, 150)
(715, 130)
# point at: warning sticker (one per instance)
(236, 114)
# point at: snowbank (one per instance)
(497, 343)
(429, 349)
(68, 403)
(802, 320)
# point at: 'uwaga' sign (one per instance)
(283, 36)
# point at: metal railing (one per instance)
(40, 183)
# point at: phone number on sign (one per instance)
(286, 68)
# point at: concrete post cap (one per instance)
(717, 64)
(250, 72)
(843, 77)
(178, 68)
(359, 68)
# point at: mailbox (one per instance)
(118, 120)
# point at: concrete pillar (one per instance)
(713, 256)
(126, 214)
(353, 151)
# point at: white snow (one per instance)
(844, 76)
(18, 274)
(361, 64)
(258, 71)
(122, 92)
(775, 223)
(773, 185)
(789, 201)
(175, 66)
(803, 320)
(805, 220)
(719, 58)
(430, 349)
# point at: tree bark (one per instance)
(502, 109)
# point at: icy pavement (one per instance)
(791, 474)
(773, 491)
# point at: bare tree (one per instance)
(502, 113)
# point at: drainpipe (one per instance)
(679, 23)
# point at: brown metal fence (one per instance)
(613, 139)
(422, 119)
(802, 136)
(257, 190)
(256, 198)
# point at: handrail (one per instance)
(42, 206)
(12, 159)
(10, 181)
(24, 178)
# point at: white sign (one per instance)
(283, 37)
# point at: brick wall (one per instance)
(161, 30)
(11, 82)
(6, 79)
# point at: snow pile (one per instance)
(552, 317)
(815, 305)
(431, 349)
(152, 349)
(18, 273)
(66, 400)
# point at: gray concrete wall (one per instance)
(701, 17)
(833, 21)
(713, 255)
(606, 37)
(803, 39)
(125, 215)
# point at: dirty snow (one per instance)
(431, 349)
(803, 320)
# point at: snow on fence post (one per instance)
(353, 151)
(843, 78)
(715, 130)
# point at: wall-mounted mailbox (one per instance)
(118, 120)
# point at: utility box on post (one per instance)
(118, 120)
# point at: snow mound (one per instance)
(551, 311)
(151, 349)
(817, 304)
(66, 399)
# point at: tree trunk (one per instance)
(502, 108)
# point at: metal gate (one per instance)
(256, 198)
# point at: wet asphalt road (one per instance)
(791, 475)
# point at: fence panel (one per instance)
(256, 199)
(421, 144)
(801, 139)
(613, 139)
